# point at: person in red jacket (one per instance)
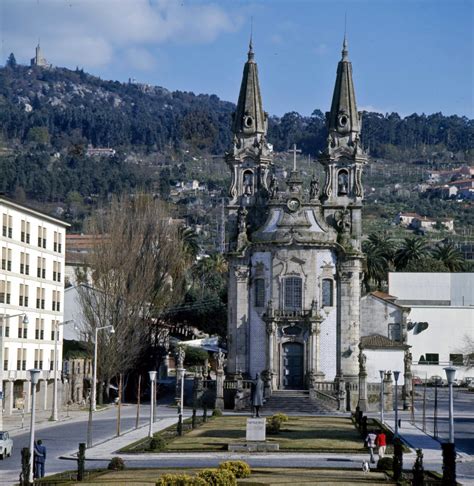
(381, 442)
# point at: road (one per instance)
(64, 437)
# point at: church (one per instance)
(295, 259)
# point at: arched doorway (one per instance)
(293, 366)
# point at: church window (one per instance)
(342, 182)
(432, 358)
(394, 332)
(327, 295)
(293, 297)
(259, 292)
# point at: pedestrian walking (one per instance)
(370, 443)
(40, 459)
(381, 443)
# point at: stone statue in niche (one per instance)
(220, 358)
(242, 220)
(248, 183)
(362, 360)
(273, 189)
(313, 188)
(342, 183)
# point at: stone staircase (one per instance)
(295, 402)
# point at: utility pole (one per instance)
(119, 404)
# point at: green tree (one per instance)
(413, 248)
(425, 264)
(38, 135)
(11, 61)
(379, 250)
(450, 256)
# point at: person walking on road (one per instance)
(381, 443)
(370, 443)
(40, 459)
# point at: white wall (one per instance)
(458, 288)
(384, 359)
(448, 330)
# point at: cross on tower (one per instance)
(295, 151)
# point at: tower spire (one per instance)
(343, 117)
(251, 53)
(345, 52)
(249, 118)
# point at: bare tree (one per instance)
(137, 268)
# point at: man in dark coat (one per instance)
(257, 395)
(40, 459)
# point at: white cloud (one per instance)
(91, 32)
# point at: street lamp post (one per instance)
(396, 374)
(450, 374)
(152, 375)
(2, 335)
(54, 413)
(382, 376)
(181, 400)
(34, 376)
(94, 379)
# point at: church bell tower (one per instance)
(250, 157)
(343, 161)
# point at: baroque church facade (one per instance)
(295, 260)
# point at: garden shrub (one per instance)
(385, 464)
(240, 469)
(218, 477)
(217, 412)
(116, 464)
(274, 423)
(180, 480)
(157, 444)
(282, 417)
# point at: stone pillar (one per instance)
(220, 389)
(197, 390)
(388, 391)
(238, 318)
(44, 393)
(348, 330)
(363, 403)
(9, 397)
(407, 388)
(270, 384)
(340, 393)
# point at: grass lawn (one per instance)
(259, 476)
(307, 434)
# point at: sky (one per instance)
(408, 56)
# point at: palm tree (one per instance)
(379, 250)
(413, 248)
(450, 256)
(190, 241)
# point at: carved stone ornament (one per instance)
(241, 273)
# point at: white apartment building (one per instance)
(443, 306)
(32, 248)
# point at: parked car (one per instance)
(417, 380)
(6, 445)
(435, 380)
(468, 381)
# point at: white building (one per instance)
(441, 321)
(32, 247)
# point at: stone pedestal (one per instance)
(220, 389)
(256, 429)
(363, 402)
